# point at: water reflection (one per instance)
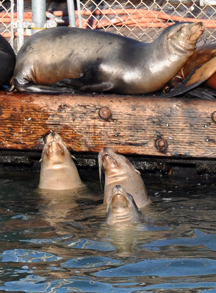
(201, 241)
(59, 242)
(67, 206)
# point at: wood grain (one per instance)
(132, 124)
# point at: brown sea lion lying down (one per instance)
(64, 59)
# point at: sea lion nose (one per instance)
(105, 149)
(46, 137)
(118, 186)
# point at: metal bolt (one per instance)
(214, 116)
(161, 144)
(105, 113)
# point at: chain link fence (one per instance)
(138, 19)
(144, 20)
(7, 20)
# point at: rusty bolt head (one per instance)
(105, 113)
(161, 144)
(214, 116)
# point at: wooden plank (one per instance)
(137, 125)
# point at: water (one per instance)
(59, 242)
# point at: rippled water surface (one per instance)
(59, 242)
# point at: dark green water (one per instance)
(59, 242)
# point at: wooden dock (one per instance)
(173, 128)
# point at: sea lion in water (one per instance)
(58, 170)
(199, 69)
(64, 59)
(119, 170)
(122, 208)
(7, 61)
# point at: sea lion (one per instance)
(122, 208)
(199, 69)
(119, 170)
(58, 170)
(7, 61)
(64, 59)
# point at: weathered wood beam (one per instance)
(129, 124)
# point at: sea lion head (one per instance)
(55, 151)
(119, 170)
(58, 170)
(122, 208)
(185, 32)
(182, 37)
(114, 165)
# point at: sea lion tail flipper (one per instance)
(198, 76)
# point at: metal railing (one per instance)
(142, 20)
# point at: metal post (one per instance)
(20, 20)
(12, 23)
(79, 12)
(71, 13)
(38, 15)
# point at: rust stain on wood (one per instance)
(130, 125)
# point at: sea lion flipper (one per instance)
(197, 77)
(27, 86)
(87, 82)
(183, 87)
(202, 93)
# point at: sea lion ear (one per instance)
(138, 172)
(74, 158)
